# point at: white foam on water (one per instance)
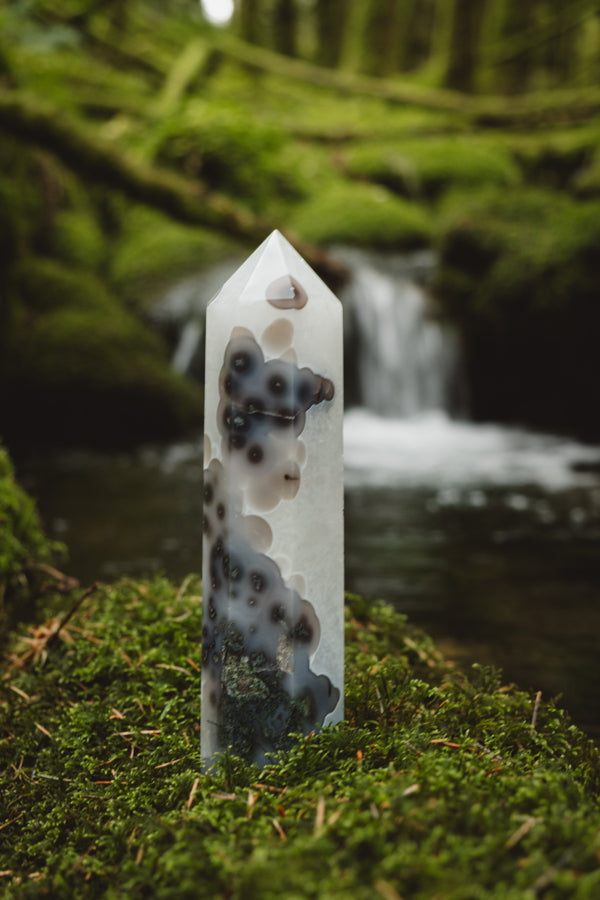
(432, 450)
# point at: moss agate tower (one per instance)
(273, 573)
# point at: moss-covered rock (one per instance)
(25, 552)
(435, 785)
(556, 159)
(77, 240)
(229, 149)
(80, 368)
(26, 197)
(424, 168)
(12, 224)
(586, 182)
(361, 214)
(518, 275)
(152, 252)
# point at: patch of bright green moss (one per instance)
(435, 785)
(361, 214)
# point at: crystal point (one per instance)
(272, 653)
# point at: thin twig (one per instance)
(87, 593)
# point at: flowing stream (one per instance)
(487, 536)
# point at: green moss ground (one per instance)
(438, 784)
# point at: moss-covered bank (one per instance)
(27, 557)
(77, 365)
(519, 276)
(82, 369)
(437, 784)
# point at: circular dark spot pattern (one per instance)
(277, 613)
(259, 398)
(258, 633)
(242, 361)
(277, 384)
(255, 454)
(236, 442)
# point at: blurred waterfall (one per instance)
(404, 359)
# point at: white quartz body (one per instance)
(298, 514)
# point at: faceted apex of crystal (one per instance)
(276, 274)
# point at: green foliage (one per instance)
(361, 214)
(435, 784)
(23, 545)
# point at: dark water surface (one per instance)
(488, 538)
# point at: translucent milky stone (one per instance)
(272, 651)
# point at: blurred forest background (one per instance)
(138, 143)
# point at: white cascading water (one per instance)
(407, 360)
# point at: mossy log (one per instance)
(187, 200)
(527, 111)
